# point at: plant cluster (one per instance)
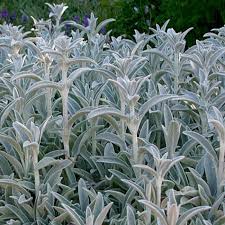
(96, 129)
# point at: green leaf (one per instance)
(130, 216)
(160, 54)
(27, 75)
(83, 196)
(102, 215)
(200, 181)
(152, 102)
(46, 161)
(78, 114)
(191, 213)
(17, 166)
(61, 198)
(23, 131)
(103, 24)
(5, 112)
(137, 187)
(16, 211)
(147, 169)
(203, 142)
(210, 61)
(56, 169)
(44, 84)
(113, 138)
(73, 215)
(168, 164)
(104, 110)
(77, 73)
(172, 134)
(156, 210)
(99, 205)
(9, 140)
(14, 184)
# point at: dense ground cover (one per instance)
(96, 129)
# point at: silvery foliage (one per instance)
(96, 129)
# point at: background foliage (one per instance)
(131, 14)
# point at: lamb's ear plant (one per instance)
(217, 120)
(91, 209)
(172, 215)
(100, 130)
(170, 51)
(61, 53)
(129, 91)
(162, 166)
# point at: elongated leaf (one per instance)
(23, 131)
(5, 113)
(44, 84)
(77, 73)
(12, 183)
(17, 166)
(105, 111)
(83, 196)
(103, 24)
(99, 204)
(78, 114)
(160, 54)
(130, 216)
(191, 213)
(147, 169)
(27, 75)
(73, 215)
(9, 140)
(137, 187)
(156, 210)
(113, 138)
(152, 102)
(102, 215)
(46, 161)
(16, 211)
(203, 142)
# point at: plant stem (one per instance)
(158, 190)
(204, 121)
(176, 69)
(221, 164)
(149, 211)
(123, 112)
(35, 151)
(65, 122)
(135, 147)
(65, 93)
(94, 144)
(49, 94)
(134, 129)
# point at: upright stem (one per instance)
(123, 112)
(65, 93)
(94, 144)
(158, 190)
(176, 69)
(135, 147)
(134, 129)
(204, 121)
(148, 210)
(49, 93)
(221, 164)
(35, 151)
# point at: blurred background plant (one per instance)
(130, 14)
